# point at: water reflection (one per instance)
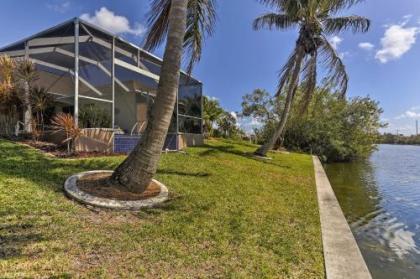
(381, 200)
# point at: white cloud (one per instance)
(234, 115)
(59, 7)
(248, 124)
(366, 46)
(409, 114)
(397, 40)
(114, 23)
(335, 42)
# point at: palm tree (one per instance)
(212, 112)
(316, 20)
(26, 74)
(227, 124)
(41, 101)
(183, 23)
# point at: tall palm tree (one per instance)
(183, 23)
(26, 74)
(315, 20)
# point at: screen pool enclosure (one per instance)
(106, 82)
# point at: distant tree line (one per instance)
(388, 138)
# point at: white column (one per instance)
(76, 72)
(26, 50)
(113, 82)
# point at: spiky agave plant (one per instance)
(315, 20)
(64, 122)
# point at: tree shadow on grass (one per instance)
(183, 173)
(49, 173)
(231, 149)
(15, 237)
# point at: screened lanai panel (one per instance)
(57, 82)
(95, 67)
(18, 46)
(189, 125)
(189, 100)
(53, 57)
(94, 83)
(150, 66)
(126, 52)
(63, 30)
(86, 29)
(131, 111)
(135, 82)
(94, 114)
(133, 97)
(52, 52)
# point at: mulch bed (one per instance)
(60, 151)
(99, 185)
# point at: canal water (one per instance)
(380, 198)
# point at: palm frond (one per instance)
(338, 24)
(274, 20)
(200, 24)
(286, 73)
(201, 20)
(334, 6)
(157, 23)
(337, 75)
(26, 71)
(309, 81)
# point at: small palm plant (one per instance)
(64, 122)
(41, 101)
(26, 75)
(315, 20)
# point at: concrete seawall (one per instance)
(342, 256)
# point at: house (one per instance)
(108, 85)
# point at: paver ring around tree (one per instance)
(73, 191)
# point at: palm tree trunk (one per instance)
(137, 171)
(27, 109)
(262, 151)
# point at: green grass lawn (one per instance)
(231, 216)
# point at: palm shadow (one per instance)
(15, 237)
(231, 149)
(183, 173)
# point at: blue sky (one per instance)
(384, 63)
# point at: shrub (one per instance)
(92, 116)
(333, 128)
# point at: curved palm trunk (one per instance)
(262, 151)
(136, 172)
(27, 118)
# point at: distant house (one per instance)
(87, 68)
